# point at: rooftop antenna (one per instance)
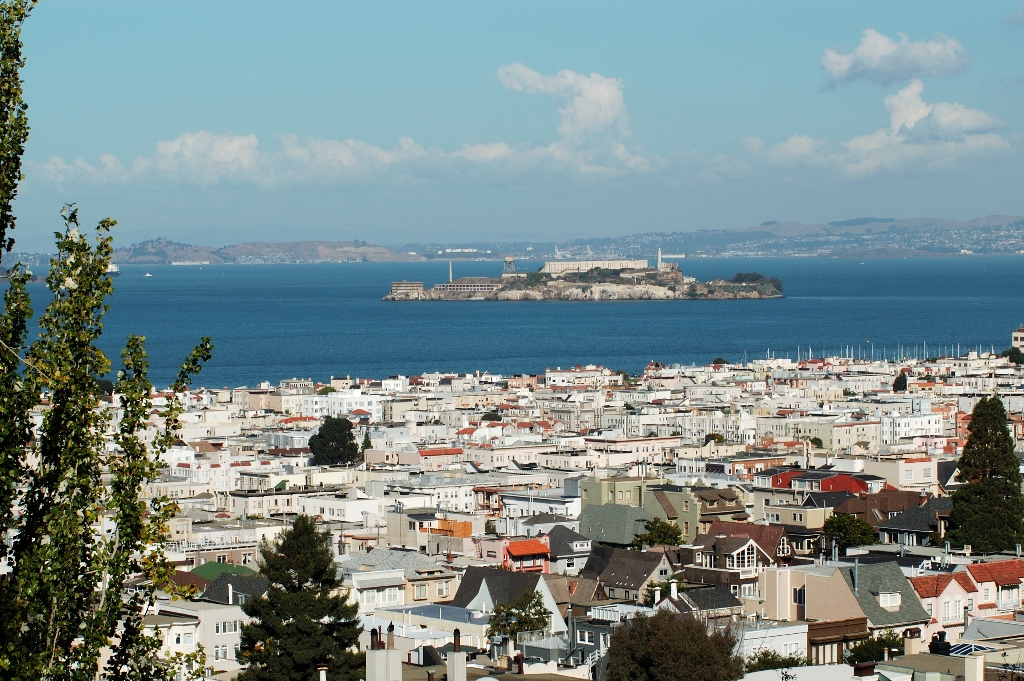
(449, 271)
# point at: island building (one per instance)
(566, 266)
(404, 287)
(1018, 338)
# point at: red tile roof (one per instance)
(529, 547)
(931, 586)
(965, 581)
(1003, 572)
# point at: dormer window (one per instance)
(889, 599)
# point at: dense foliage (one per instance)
(899, 385)
(847, 530)
(526, 613)
(873, 649)
(64, 600)
(659, 532)
(988, 510)
(767, 658)
(298, 624)
(334, 443)
(671, 647)
(13, 113)
(756, 278)
(1015, 355)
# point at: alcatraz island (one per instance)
(591, 280)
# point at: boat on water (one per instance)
(147, 274)
(113, 270)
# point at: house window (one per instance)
(443, 588)
(908, 474)
(799, 595)
(889, 600)
(369, 597)
(928, 607)
(987, 594)
(611, 593)
(585, 637)
(421, 591)
(391, 595)
(620, 495)
(570, 562)
(927, 473)
(412, 526)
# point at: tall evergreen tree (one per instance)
(334, 443)
(900, 384)
(988, 510)
(298, 624)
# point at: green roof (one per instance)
(211, 571)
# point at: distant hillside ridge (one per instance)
(856, 237)
(164, 252)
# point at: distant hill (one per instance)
(162, 251)
(857, 237)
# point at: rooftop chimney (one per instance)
(856, 567)
(657, 595)
(231, 594)
(674, 589)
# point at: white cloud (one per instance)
(884, 61)
(920, 137)
(590, 140)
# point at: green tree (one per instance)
(988, 509)
(671, 647)
(491, 416)
(816, 441)
(1014, 354)
(334, 443)
(659, 532)
(900, 384)
(767, 658)
(64, 600)
(847, 530)
(298, 624)
(873, 649)
(719, 360)
(367, 443)
(326, 390)
(717, 438)
(13, 113)
(526, 613)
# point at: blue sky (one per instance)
(393, 122)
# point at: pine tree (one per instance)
(659, 532)
(334, 443)
(367, 444)
(900, 384)
(298, 624)
(988, 510)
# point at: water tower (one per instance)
(510, 265)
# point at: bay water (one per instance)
(270, 322)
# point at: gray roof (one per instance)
(561, 538)
(885, 578)
(629, 569)
(381, 558)
(252, 587)
(920, 518)
(503, 585)
(613, 524)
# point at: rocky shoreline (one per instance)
(564, 290)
